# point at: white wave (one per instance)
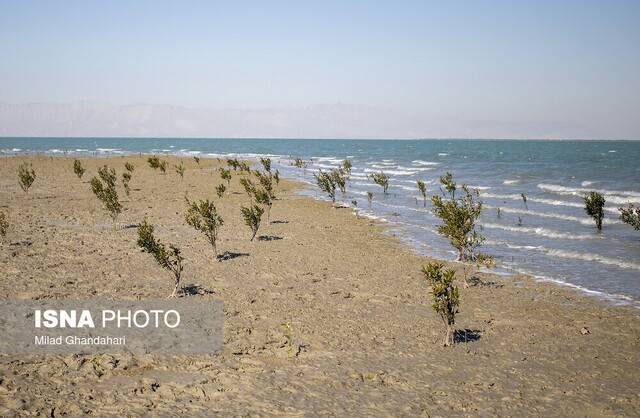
(332, 160)
(583, 191)
(442, 154)
(584, 221)
(588, 183)
(479, 187)
(512, 182)
(552, 202)
(16, 149)
(392, 172)
(105, 150)
(613, 150)
(326, 166)
(382, 167)
(592, 257)
(422, 162)
(549, 233)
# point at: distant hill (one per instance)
(98, 119)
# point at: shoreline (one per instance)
(615, 299)
(359, 309)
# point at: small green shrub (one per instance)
(154, 162)
(299, 163)
(524, 199)
(252, 217)
(340, 177)
(382, 180)
(233, 163)
(266, 181)
(347, 166)
(180, 169)
(196, 159)
(459, 216)
(276, 177)
(266, 163)
(106, 192)
(26, 176)
(126, 177)
(327, 183)
(446, 298)
(129, 167)
(4, 225)
(594, 206)
(423, 191)
(248, 186)
(225, 175)
(262, 197)
(220, 189)
(170, 258)
(631, 216)
(369, 197)
(244, 168)
(204, 217)
(77, 168)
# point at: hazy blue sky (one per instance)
(575, 62)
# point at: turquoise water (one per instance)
(555, 240)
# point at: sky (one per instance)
(569, 62)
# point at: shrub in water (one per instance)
(327, 183)
(167, 258)
(594, 206)
(204, 217)
(630, 216)
(459, 218)
(423, 191)
(381, 179)
(446, 298)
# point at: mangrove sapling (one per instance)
(276, 177)
(248, 187)
(196, 159)
(171, 259)
(244, 168)
(180, 170)
(459, 216)
(594, 206)
(346, 166)
(423, 191)
(340, 177)
(327, 183)
(299, 163)
(382, 180)
(369, 197)
(129, 167)
(233, 164)
(204, 217)
(225, 174)
(154, 162)
(446, 298)
(106, 192)
(252, 216)
(630, 216)
(524, 199)
(266, 163)
(220, 189)
(77, 168)
(126, 177)
(26, 176)
(262, 197)
(266, 181)
(4, 225)
(163, 167)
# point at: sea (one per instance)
(549, 237)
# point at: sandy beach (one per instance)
(365, 340)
